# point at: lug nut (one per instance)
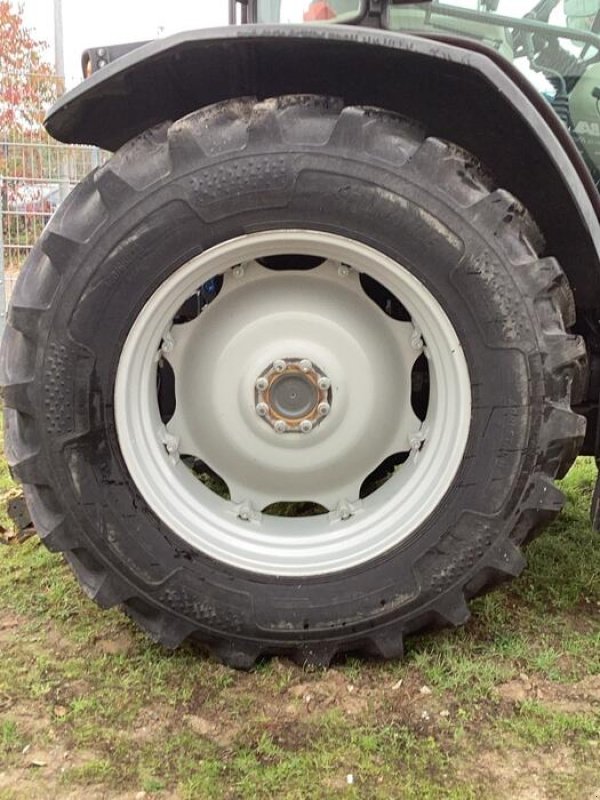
(172, 444)
(324, 384)
(324, 409)
(239, 271)
(306, 365)
(343, 271)
(416, 440)
(279, 365)
(306, 426)
(262, 409)
(262, 384)
(280, 426)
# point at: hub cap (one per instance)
(293, 396)
(294, 386)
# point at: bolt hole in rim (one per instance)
(359, 525)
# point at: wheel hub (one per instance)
(293, 395)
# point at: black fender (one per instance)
(459, 90)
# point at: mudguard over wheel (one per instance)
(288, 377)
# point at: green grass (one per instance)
(538, 726)
(10, 739)
(132, 717)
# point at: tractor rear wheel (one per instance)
(288, 377)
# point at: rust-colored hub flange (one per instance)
(293, 395)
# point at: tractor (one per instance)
(294, 371)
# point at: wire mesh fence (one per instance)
(36, 172)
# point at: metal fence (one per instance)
(36, 172)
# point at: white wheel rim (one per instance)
(322, 316)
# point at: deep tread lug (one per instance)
(28, 470)
(161, 626)
(105, 589)
(25, 319)
(111, 592)
(236, 656)
(545, 496)
(318, 655)
(453, 611)
(385, 644)
(264, 123)
(184, 144)
(59, 249)
(565, 432)
(452, 170)
(506, 560)
(349, 129)
(21, 448)
(512, 226)
(113, 189)
(58, 538)
(17, 396)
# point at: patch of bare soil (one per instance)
(120, 644)
(9, 627)
(518, 774)
(39, 771)
(575, 698)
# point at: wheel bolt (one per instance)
(324, 409)
(279, 365)
(306, 426)
(262, 384)
(262, 409)
(324, 384)
(306, 365)
(239, 271)
(280, 426)
(416, 440)
(343, 271)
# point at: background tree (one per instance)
(28, 86)
(27, 81)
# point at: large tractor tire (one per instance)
(288, 377)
